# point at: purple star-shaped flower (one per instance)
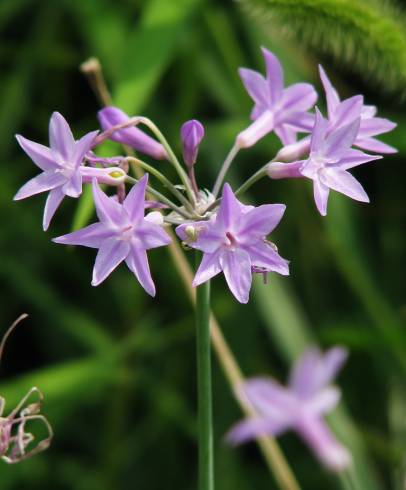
(299, 407)
(343, 112)
(279, 109)
(60, 165)
(330, 158)
(233, 241)
(123, 233)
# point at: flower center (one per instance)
(230, 241)
(126, 233)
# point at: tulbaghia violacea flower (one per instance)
(234, 241)
(331, 156)
(279, 109)
(60, 165)
(132, 136)
(343, 112)
(191, 133)
(299, 407)
(122, 234)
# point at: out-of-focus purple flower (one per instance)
(122, 233)
(132, 136)
(343, 112)
(191, 133)
(279, 109)
(331, 156)
(233, 241)
(60, 165)
(299, 407)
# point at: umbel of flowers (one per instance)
(231, 236)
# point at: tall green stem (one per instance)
(206, 473)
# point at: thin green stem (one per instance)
(161, 177)
(172, 157)
(224, 169)
(161, 198)
(206, 473)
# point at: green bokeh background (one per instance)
(117, 367)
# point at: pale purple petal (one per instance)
(41, 155)
(332, 97)
(229, 212)
(41, 183)
(321, 193)
(353, 158)
(255, 427)
(91, 236)
(256, 86)
(73, 187)
(320, 439)
(302, 122)
(108, 210)
(374, 126)
(209, 236)
(342, 181)
(53, 201)
(372, 144)
(134, 202)
(137, 261)
(332, 361)
(84, 145)
(61, 138)
(340, 140)
(131, 136)
(150, 235)
(324, 401)
(368, 111)
(111, 253)
(263, 125)
(236, 266)
(264, 256)
(298, 97)
(274, 76)
(259, 222)
(269, 398)
(287, 134)
(348, 110)
(208, 268)
(319, 132)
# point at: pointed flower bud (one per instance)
(191, 133)
(132, 136)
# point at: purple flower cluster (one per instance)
(233, 237)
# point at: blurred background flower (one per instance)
(117, 371)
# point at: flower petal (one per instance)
(287, 134)
(342, 181)
(84, 145)
(108, 210)
(274, 76)
(134, 203)
(298, 97)
(353, 158)
(230, 211)
(91, 236)
(372, 144)
(332, 97)
(53, 201)
(269, 399)
(73, 187)
(41, 183)
(374, 126)
(348, 110)
(259, 222)
(320, 439)
(137, 262)
(111, 253)
(151, 235)
(256, 86)
(324, 401)
(41, 155)
(208, 268)
(236, 265)
(254, 427)
(61, 138)
(320, 192)
(340, 140)
(264, 256)
(318, 133)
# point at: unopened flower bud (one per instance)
(192, 133)
(132, 136)
(278, 170)
(109, 176)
